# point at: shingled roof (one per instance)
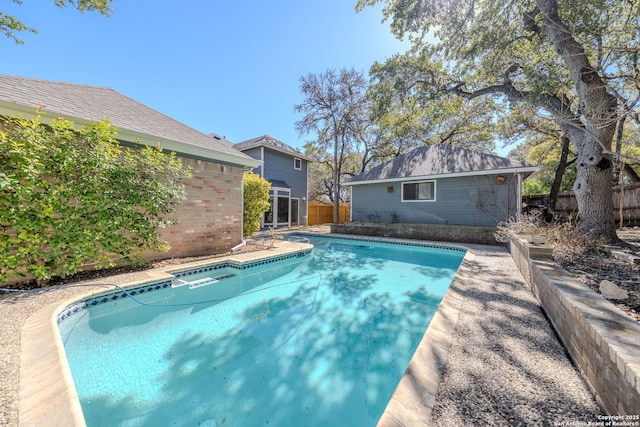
(269, 142)
(440, 160)
(136, 122)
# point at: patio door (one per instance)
(280, 213)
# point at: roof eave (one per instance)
(524, 169)
(136, 137)
(188, 149)
(258, 144)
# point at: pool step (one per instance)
(176, 283)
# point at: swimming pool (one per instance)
(320, 338)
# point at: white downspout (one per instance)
(239, 246)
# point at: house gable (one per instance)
(280, 162)
(283, 166)
(272, 143)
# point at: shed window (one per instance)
(418, 191)
(297, 163)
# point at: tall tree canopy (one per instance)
(9, 24)
(336, 111)
(575, 62)
(411, 114)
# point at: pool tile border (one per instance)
(109, 296)
(390, 240)
(128, 291)
(239, 265)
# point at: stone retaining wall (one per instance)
(439, 232)
(602, 340)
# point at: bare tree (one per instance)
(335, 111)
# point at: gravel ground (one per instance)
(15, 310)
(592, 267)
(505, 366)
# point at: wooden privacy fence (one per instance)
(322, 213)
(626, 204)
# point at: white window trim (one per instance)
(418, 201)
(295, 160)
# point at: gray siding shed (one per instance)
(475, 200)
(471, 188)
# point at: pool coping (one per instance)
(415, 396)
(47, 395)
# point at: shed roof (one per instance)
(136, 122)
(440, 160)
(270, 142)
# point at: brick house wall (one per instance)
(210, 220)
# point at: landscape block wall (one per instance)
(602, 340)
(436, 232)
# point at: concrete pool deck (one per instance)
(488, 357)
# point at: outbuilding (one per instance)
(440, 184)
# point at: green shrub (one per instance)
(74, 197)
(256, 202)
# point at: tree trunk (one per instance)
(336, 184)
(595, 198)
(593, 186)
(557, 179)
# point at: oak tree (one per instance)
(10, 25)
(576, 62)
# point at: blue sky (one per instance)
(228, 67)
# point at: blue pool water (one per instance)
(314, 340)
